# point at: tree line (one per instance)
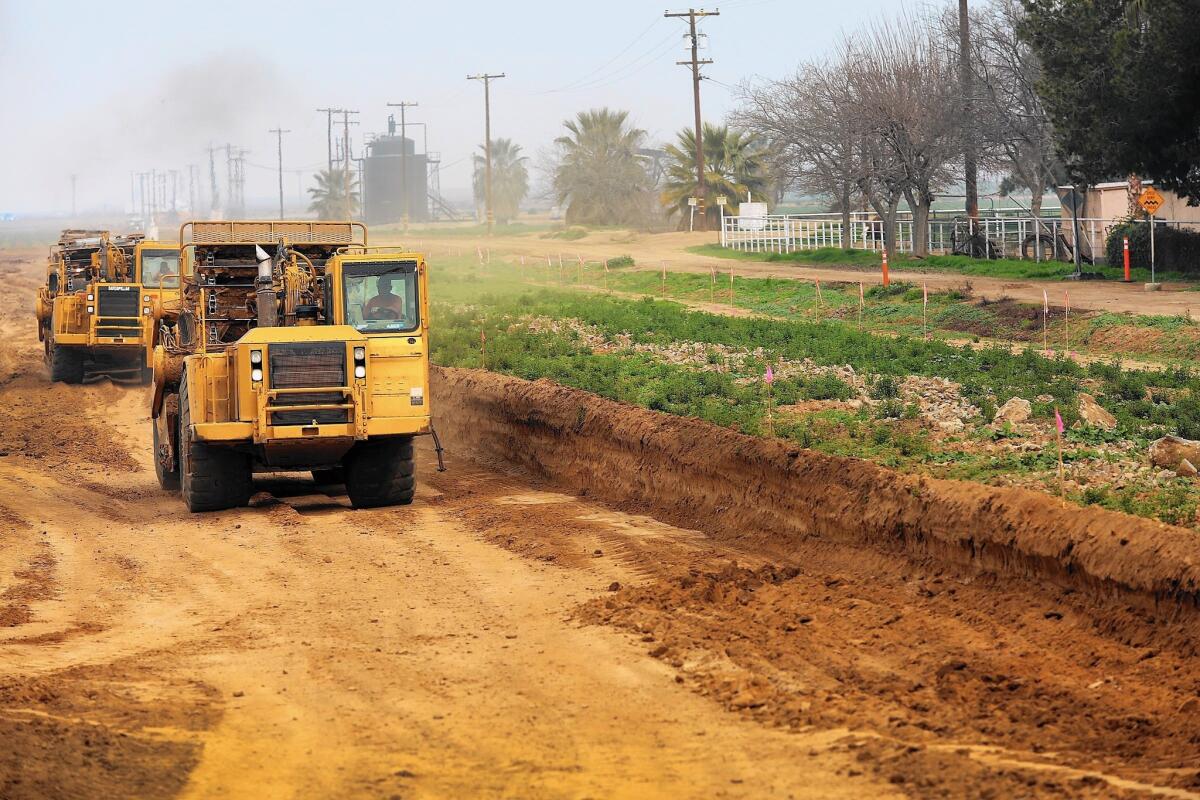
(1045, 93)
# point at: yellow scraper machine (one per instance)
(296, 347)
(96, 310)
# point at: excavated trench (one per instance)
(778, 498)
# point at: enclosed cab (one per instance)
(93, 311)
(296, 348)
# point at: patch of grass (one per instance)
(571, 234)
(1011, 268)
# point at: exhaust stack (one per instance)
(264, 290)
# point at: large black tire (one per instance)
(66, 364)
(167, 479)
(380, 472)
(212, 478)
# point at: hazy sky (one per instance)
(100, 89)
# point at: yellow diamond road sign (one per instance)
(1150, 200)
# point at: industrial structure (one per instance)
(395, 180)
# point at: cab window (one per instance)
(381, 297)
(158, 264)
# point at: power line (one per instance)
(606, 64)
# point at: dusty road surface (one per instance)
(651, 250)
(501, 638)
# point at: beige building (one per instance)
(1111, 201)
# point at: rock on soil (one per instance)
(1093, 414)
(1016, 410)
(1170, 451)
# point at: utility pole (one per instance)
(329, 112)
(214, 196)
(193, 171)
(279, 132)
(174, 190)
(403, 105)
(695, 63)
(487, 142)
(230, 181)
(965, 77)
(346, 163)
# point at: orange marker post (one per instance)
(887, 281)
(1126, 247)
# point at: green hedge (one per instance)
(1175, 249)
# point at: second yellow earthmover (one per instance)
(296, 348)
(99, 305)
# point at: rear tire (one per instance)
(167, 479)
(380, 472)
(66, 364)
(213, 478)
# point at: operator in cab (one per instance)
(385, 305)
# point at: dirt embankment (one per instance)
(777, 496)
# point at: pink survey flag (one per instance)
(1058, 422)
(925, 293)
(1067, 300)
(1045, 302)
(860, 293)
(769, 377)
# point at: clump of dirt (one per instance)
(1129, 339)
(43, 421)
(791, 648)
(93, 732)
(936, 773)
(34, 583)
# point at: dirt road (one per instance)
(502, 638)
(651, 250)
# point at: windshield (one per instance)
(156, 264)
(381, 298)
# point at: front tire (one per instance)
(213, 478)
(66, 364)
(380, 472)
(167, 478)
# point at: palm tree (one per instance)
(600, 178)
(735, 166)
(510, 179)
(329, 195)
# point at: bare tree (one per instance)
(1012, 123)
(806, 119)
(904, 83)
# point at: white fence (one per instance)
(1034, 238)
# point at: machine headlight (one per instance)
(91, 309)
(91, 297)
(360, 371)
(256, 356)
(145, 298)
(146, 310)
(360, 354)
(256, 375)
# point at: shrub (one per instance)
(620, 261)
(1174, 248)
